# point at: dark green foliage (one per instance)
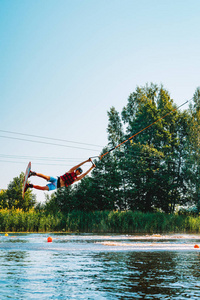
(97, 222)
(16, 220)
(193, 158)
(3, 199)
(157, 169)
(12, 197)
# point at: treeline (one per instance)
(157, 170)
(97, 222)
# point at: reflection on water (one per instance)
(88, 267)
(153, 275)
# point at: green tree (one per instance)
(3, 199)
(193, 159)
(85, 195)
(62, 200)
(115, 129)
(156, 169)
(155, 179)
(107, 182)
(14, 195)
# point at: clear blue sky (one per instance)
(65, 63)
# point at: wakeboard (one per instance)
(28, 169)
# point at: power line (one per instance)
(48, 138)
(100, 156)
(40, 157)
(10, 156)
(46, 143)
(35, 163)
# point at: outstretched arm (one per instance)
(77, 166)
(84, 174)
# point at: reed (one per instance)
(97, 222)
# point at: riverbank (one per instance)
(97, 222)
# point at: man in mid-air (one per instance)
(73, 175)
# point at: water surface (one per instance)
(99, 266)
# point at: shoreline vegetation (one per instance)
(97, 222)
(152, 169)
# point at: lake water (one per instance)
(99, 267)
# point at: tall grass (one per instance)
(32, 221)
(97, 222)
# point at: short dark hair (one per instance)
(80, 170)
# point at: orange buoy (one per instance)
(196, 246)
(49, 239)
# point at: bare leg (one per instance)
(43, 188)
(38, 187)
(43, 176)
